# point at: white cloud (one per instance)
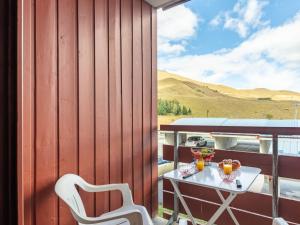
(165, 47)
(245, 15)
(236, 25)
(174, 26)
(216, 21)
(270, 58)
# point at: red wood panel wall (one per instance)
(86, 103)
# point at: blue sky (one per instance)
(240, 43)
(208, 39)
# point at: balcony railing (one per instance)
(250, 208)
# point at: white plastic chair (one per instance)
(279, 221)
(129, 213)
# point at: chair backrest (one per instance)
(66, 189)
(279, 221)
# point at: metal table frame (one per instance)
(247, 176)
(217, 214)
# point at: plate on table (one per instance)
(187, 169)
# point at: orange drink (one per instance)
(227, 168)
(200, 164)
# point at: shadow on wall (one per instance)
(8, 121)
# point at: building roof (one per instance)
(236, 122)
(165, 4)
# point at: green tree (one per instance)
(161, 108)
(269, 116)
(184, 110)
(178, 110)
(173, 107)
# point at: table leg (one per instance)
(222, 208)
(228, 209)
(186, 208)
(172, 219)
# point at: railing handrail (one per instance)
(232, 129)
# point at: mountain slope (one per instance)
(239, 93)
(221, 101)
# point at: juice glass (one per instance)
(227, 168)
(200, 164)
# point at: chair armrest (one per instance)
(133, 216)
(124, 188)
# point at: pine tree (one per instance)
(184, 110)
(161, 109)
(177, 110)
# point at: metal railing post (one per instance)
(275, 184)
(176, 201)
(174, 216)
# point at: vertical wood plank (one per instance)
(115, 100)
(146, 37)
(154, 113)
(46, 112)
(68, 96)
(102, 102)
(26, 114)
(20, 141)
(86, 97)
(137, 104)
(126, 45)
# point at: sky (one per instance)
(239, 43)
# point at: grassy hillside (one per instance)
(222, 101)
(239, 93)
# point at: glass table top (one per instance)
(212, 177)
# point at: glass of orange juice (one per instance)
(200, 164)
(227, 167)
